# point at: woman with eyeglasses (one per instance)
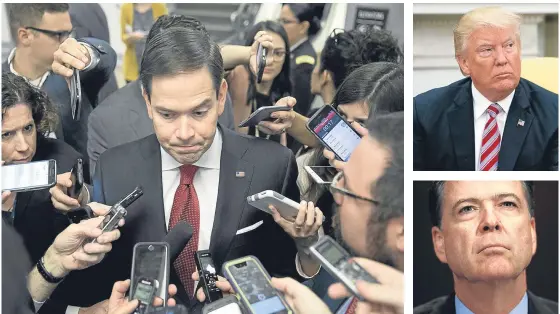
(302, 21)
(248, 95)
(370, 90)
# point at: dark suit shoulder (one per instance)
(127, 150)
(433, 306)
(441, 95)
(542, 305)
(544, 99)
(262, 145)
(64, 154)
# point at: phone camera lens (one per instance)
(151, 247)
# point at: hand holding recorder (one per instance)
(119, 303)
(70, 192)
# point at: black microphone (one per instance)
(177, 238)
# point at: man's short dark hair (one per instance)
(30, 14)
(180, 50)
(388, 190)
(16, 90)
(435, 199)
(166, 22)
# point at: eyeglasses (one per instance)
(335, 190)
(59, 36)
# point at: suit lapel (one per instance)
(461, 126)
(232, 193)
(152, 186)
(514, 133)
(448, 307)
(138, 110)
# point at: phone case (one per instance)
(261, 53)
(285, 206)
(237, 289)
(315, 176)
(317, 114)
(162, 289)
(261, 114)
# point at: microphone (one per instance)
(177, 238)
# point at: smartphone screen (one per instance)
(336, 133)
(151, 261)
(28, 175)
(256, 287)
(332, 253)
(143, 292)
(207, 264)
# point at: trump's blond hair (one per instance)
(496, 17)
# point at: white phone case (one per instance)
(285, 206)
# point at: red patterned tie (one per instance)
(186, 207)
(491, 139)
(352, 307)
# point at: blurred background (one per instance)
(434, 57)
(228, 23)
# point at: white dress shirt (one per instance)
(481, 116)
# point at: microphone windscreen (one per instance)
(177, 238)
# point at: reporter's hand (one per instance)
(339, 165)
(68, 253)
(284, 119)
(266, 40)
(70, 55)
(308, 221)
(118, 303)
(59, 193)
(222, 284)
(300, 298)
(387, 296)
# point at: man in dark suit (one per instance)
(486, 233)
(43, 48)
(492, 120)
(193, 169)
(89, 20)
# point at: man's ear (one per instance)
(534, 234)
(24, 36)
(222, 95)
(400, 236)
(463, 64)
(304, 27)
(148, 104)
(439, 244)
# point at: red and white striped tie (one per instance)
(491, 140)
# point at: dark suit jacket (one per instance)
(446, 305)
(75, 132)
(123, 118)
(36, 218)
(15, 268)
(267, 165)
(301, 77)
(89, 20)
(444, 129)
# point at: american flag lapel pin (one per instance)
(240, 174)
(520, 122)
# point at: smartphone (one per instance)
(76, 95)
(261, 62)
(29, 176)
(262, 114)
(208, 275)
(177, 309)
(321, 174)
(339, 264)
(251, 281)
(334, 132)
(226, 305)
(118, 211)
(285, 206)
(77, 178)
(150, 261)
(144, 293)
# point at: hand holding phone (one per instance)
(334, 132)
(207, 275)
(262, 114)
(77, 178)
(261, 62)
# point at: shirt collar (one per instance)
(299, 43)
(521, 308)
(481, 103)
(36, 82)
(210, 159)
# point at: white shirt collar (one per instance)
(299, 43)
(210, 159)
(480, 102)
(38, 82)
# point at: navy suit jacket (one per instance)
(444, 129)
